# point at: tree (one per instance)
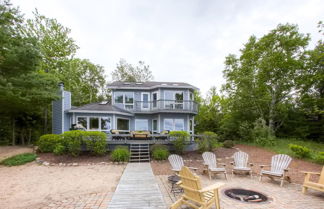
(127, 72)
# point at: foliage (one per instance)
(208, 142)
(228, 143)
(47, 142)
(300, 151)
(180, 137)
(59, 149)
(319, 158)
(265, 141)
(160, 152)
(73, 140)
(19, 159)
(262, 134)
(96, 142)
(129, 73)
(120, 154)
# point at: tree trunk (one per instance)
(22, 138)
(13, 132)
(29, 135)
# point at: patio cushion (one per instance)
(242, 168)
(271, 173)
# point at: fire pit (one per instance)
(248, 196)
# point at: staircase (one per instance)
(139, 153)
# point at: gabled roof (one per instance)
(100, 107)
(149, 85)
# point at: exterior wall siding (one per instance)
(57, 109)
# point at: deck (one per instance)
(137, 189)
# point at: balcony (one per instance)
(163, 106)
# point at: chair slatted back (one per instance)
(241, 159)
(176, 161)
(210, 159)
(191, 185)
(279, 163)
(321, 178)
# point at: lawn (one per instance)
(19, 159)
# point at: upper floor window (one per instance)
(125, 98)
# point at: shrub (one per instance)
(47, 142)
(265, 141)
(96, 142)
(300, 151)
(158, 146)
(19, 159)
(73, 140)
(59, 149)
(319, 158)
(208, 142)
(228, 144)
(120, 154)
(160, 154)
(245, 131)
(180, 138)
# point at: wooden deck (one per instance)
(137, 189)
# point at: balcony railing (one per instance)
(163, 105)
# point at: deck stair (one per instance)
(139, 153)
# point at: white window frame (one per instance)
(164, 123)
(124, 99)
(99, 118)
(148, 101)
(122, 119)
(173, 102)
(146, 120)
(183, 124)
(173, 123)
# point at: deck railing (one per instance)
(164, 105)
(152, 138)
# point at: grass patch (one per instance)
(281, 146)
(19, 159)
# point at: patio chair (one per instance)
(211, 164)
(176, 162)
(278, 168)
(194, 195)
(240, 163)
(313, 185)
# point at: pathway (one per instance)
(137, 189)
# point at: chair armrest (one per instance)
(223, 164)
(312, 173)
(179, 182)
(193, 168)
(261, 166)
(212, 187)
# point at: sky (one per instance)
(181, 40)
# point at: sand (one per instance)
(30, 185)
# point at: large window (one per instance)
(94, 123)
(119, 98)
(125, 98)
(174, 124)
(141, 125)
(123, 124)
(105, 123)
(173, 99)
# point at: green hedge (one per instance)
(47, 143)
(159, 152)
(120, 154)
(180, 137)
(96, 142)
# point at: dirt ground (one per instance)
(30, 185)
(257, 156)
(8, 151)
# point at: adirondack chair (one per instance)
(241, 163)
(194, 195)
(279, 168)
(176, 162)
(313, 185)
(211, 164)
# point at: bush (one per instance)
(319, 158)
(59, 149)
(160, 153)
(96, 142)
(228, 144)
(265, 141)
(73, 140)
(208, 142)
(47, 143)
(180, 138)
(245, 131)
(120, 154)
(19, 159)
(300, 151)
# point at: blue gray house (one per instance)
(149, 106)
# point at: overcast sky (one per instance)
(184, 41)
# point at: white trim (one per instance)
(98, 111)
(148, 101)
(99, 120)
(147, 121)
(124, 99)
(123, 119)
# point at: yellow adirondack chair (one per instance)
(313, 185)
(195, 196)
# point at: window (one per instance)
(141, 125)
(155, 126)
(155, 98)
(119, 98)
(173, 99)
(191, 126)
(145, 100)
(82, 121)
(168, 124)
(94, 123)
(174, 124)
(123, 124)
(125, 98)
(105, 123)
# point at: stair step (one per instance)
(139, 153)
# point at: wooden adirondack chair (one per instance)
(241, 163)
(176, 162)
(194, 195)
(313, 185)
(278, 168)
(211, 164)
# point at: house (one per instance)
(149, 106)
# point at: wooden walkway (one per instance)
(137, 189)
